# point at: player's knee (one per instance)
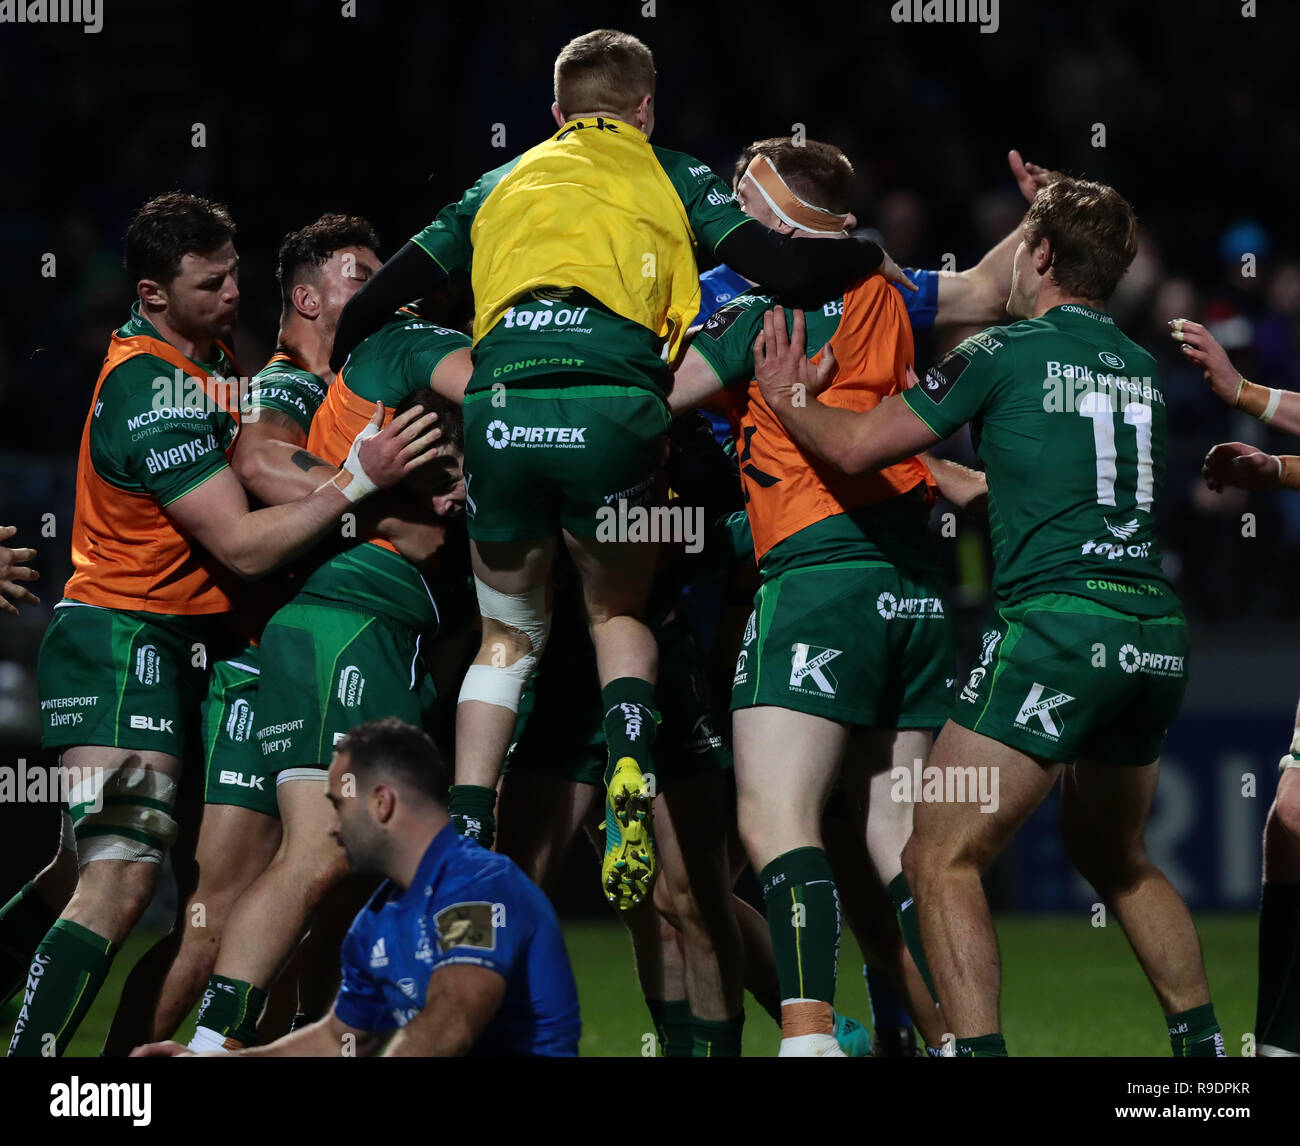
(516, 627)
(1112, 866)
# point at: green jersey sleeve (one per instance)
(286, 390)
(428, 349)
(400, 358)
(726, 341)
(960, 386)
(710, 204)
(165, 451)
(446, 239)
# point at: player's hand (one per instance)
(379, 459)
(1030, 176)
(1202, 348)
(14, 568)
(168, 1049)
(785, 375)
(893, 272)
(1240, 465)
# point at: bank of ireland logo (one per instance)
(809, 664)
(1129, 658)
(498, 434)
(1114, 361)
(239, 724)
(351, 685)
(147, 664)
(1041, 708)
(887, 605)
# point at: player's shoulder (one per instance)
(743, 311)
(691, 176)
(995, 343)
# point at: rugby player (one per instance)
(123, 664)
(947, 301)
(345, 648)
(1084, 666)
(1277, 1010)
(319, 267)
(566, 417)
(458, 952)
(14, 568)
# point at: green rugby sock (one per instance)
(1196, 1034)
(73, 962)
(471, 807)
(803, 915)
(717, 1039)
(232, 1009)
(24, 920)
(630, 721)
(1277, 1012)
(985, 1046)
(672, 1021)
(909, 924)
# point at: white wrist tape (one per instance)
(361, 485)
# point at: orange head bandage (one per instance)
(785, 204)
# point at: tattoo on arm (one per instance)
(307, 461)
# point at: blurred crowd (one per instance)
(393, 112)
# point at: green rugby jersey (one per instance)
(158, 434)
(395, 361)
(1069, 418)
(564, 330)
(896, 531)
(286, 386)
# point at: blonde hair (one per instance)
(603, 71)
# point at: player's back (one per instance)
(1069, 417)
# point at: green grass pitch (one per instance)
(1068, 989)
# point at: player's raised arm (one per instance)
(850, 441)
(460, 1003)
(1277, 408)
(252, 542)
(14, 568)
(978, 295)
(272, 462)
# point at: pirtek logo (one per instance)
(499, 435)
(908, 608)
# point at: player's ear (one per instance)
(850, 221)
(151, 293)
(305, 301)
(1043, 256)
(557, 114)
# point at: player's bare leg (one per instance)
(1277, 1012)
(133, 1021)
(888, 828)
(695, 894)
(951, 846)
(512, 580)
(616, 579)
(235, 846)
(1104, 809)
(264, 928)
(785, 764)
(112, 890)
(537, 819)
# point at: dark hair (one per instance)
(169, 227)
(1092, 231)
(397, 751)
(451, 419)
(819, 173)
(603, 71)
(311, 247)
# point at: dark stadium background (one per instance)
(390, 114)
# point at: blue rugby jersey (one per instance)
(720, 285)
(465, 905)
